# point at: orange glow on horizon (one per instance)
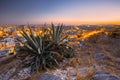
(90, 22)
(73, 21)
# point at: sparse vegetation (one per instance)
(48, 47)
(114, 32)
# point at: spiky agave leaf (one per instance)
(46, 50)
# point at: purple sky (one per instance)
(59, 11)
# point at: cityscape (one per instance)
(60, 40)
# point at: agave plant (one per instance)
(45, 51)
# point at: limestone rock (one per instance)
(102, 75)
(48, 76)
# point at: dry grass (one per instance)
(85, 57)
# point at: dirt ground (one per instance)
(97, 52)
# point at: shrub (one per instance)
(45, 50)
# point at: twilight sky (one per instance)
(60, 11)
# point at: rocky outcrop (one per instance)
(101, 56)
(48, 76)
(102, 75)
(68, 74)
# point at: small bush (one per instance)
(45, 50)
